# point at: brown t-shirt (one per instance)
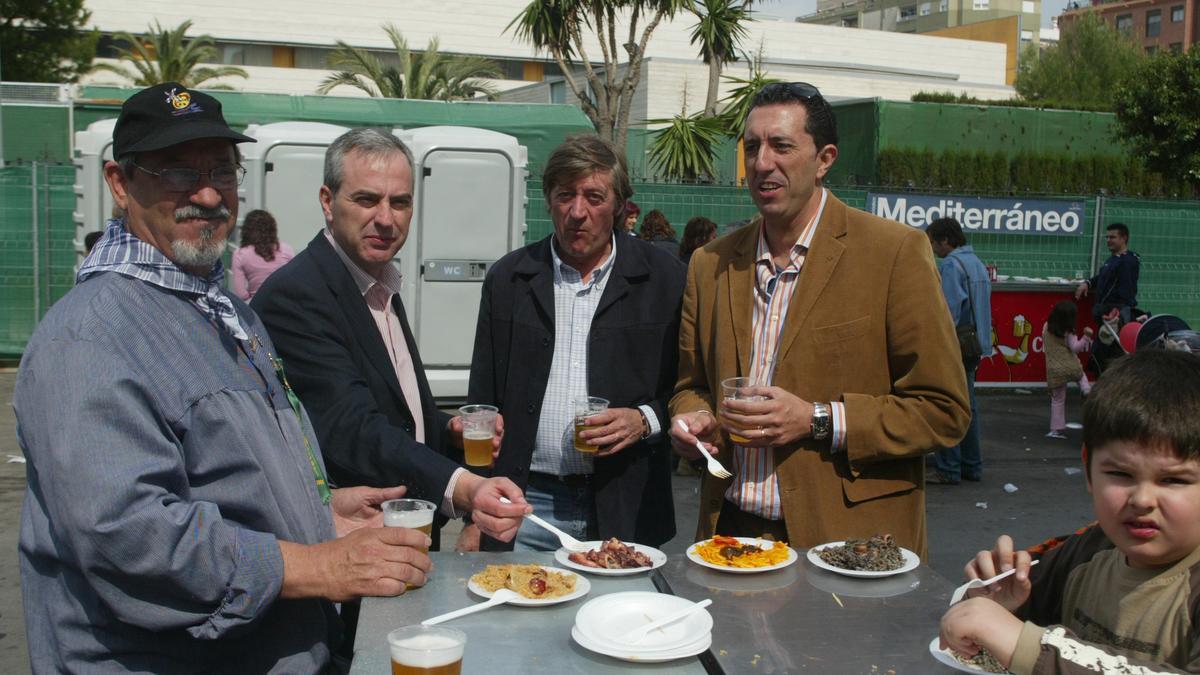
(1111, 618)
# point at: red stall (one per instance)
(1019, 311)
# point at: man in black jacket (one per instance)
(1115, 285)
(582, 313)
(335, 315)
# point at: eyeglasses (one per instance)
(183, 180)
(801, 90)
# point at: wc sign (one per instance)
(976, 214)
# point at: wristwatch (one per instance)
(822, 425)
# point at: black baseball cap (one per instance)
(168, 114)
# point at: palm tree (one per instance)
(685, 150)
(430, 75)
(163, 55)
(558, 26)
(719, 31)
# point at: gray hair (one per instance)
(582, 155)
(370, 141)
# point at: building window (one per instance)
(1176, 47)
(908, 13)
(926, 8)
(1177, 14)
(1125, 25)
(944, 5)
(1027, 7)
(1154, 23)
(979, 4)
(850, 22)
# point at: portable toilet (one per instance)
(284, 173)
(468, 211)
(93, 201)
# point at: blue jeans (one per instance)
(563, 506)
(964, 460)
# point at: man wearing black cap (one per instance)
(178, 516)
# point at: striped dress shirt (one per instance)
(755, 488)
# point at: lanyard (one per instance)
(318, 474)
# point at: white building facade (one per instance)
(283, 45)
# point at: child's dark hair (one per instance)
(1150, 397)
(1062, 318)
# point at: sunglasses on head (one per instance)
(801, 90)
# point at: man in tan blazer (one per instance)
(839, 317)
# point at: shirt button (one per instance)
(529, 408)
(545, 342)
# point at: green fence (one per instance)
(37, 248)
(37, 251)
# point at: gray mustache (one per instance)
(193, 211)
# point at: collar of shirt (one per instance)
(565, 273)
(391, 279)
(796, 257)
(120, 252)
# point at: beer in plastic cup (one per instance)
(415, 514)
(585, 407)
(426, 650)
(735, 388)
(479, 428)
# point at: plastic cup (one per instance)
(479, 428)
(585, 407)
(737, 389)
(415, 514)
(426, 650)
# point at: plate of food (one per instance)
(612, 558)
(741, 555)
(535, 584)
(982, 662)
(878, 556)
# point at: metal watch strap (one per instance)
(821, 422)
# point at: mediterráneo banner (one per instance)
(975, 214)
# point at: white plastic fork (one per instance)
(499, 597)
(714, 467)
(980, 583)
(638, 634)
(568, 542)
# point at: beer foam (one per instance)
(411, 519)
(427, 651)
(477, 435)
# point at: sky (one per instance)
(793, 8)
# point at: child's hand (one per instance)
(979, 622)
(1012, 592)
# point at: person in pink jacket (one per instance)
(1060, 345)
(261, 253)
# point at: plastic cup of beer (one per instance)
(585, 407)
(426, 650)
(415, 514)
(738, 389)
(479, 428)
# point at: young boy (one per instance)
(1123, 597)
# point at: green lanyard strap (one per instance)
(318, 473)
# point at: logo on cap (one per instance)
(181, 102)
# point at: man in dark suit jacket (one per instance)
(583, 313)
(336, 318)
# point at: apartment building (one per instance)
(1154, 24)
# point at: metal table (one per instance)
(504, 639)
(798, 619)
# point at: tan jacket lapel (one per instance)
(822, 259)
(740, 276)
